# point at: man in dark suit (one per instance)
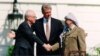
(48, 30)
(25, 38)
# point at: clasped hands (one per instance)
(48, 47)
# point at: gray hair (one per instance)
(46, 7)
(29, 13)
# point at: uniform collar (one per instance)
(72, 26)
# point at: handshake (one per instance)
(48, 47)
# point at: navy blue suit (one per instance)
(56, 30)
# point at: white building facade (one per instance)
(87, 13)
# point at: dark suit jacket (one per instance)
(56, 29)
(25, 39)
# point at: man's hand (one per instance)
(11, 34)
(55, 47)
(48, 47)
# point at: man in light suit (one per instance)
(74, 40)
(48, 30)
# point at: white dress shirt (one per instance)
(49, 24)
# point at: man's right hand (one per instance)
(48, 47)
(11, 34)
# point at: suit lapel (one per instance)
(26, 24)
(42, 28)
(52, 29)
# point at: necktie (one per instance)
(47, 31)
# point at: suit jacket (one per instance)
(56, 29)
(74, 41)
(25, 39)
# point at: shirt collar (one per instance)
(45, 20)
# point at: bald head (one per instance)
(30, 16)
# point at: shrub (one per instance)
(10, 49)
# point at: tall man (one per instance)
(48, 30)
(25, 37)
